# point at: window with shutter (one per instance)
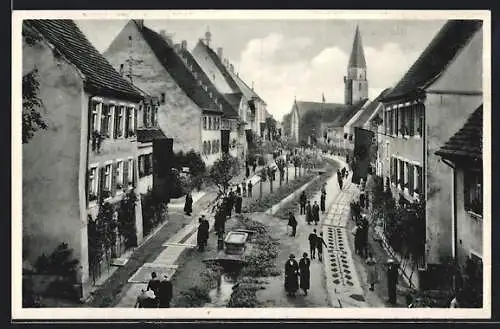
(145, 115)
(411, 179)
(412, 120)
(135, 120)
(131, 172)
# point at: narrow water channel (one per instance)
(220, 296)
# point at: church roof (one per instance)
(357, 58)
(177, 68)
(434, 60)
(341, 116)
(99, 75)
(468, 141)
(304, 107)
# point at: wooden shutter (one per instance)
(114, 171)
(125, 173)
(135, 120)
(115, 126)
(100, 188)
(127, 112)
(134, 177)
(144, 115)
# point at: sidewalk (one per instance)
(166, 261)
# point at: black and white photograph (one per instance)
(251, 164)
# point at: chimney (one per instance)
(184, 44)
(252, 85)
(231, 68)
(163, 34)
(219, 52)
(121, 69)
(140, 23)
(226, 62)
(177, 47)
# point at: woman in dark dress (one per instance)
(188, 205)
(323, 202)
(305, 273)
(291, 276)
(309, 214)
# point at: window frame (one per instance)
(467, 180)
(108, 176)
(93, 182)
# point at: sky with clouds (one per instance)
(296, 58)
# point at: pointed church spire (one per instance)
(357, 58)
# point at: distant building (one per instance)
(463, 153)
(334, 126)
(189, 110)
(88, 154)
(426, 107)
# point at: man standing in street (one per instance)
(304, 273)
(303, 201)
(313, 238)
(250, 185)
(339, 178)
(309, 213)
(165, 292)
(315, 210)
(392, 280)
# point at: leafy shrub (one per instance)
(154, 210)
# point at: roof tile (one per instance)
(100, 76)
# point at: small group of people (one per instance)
(244, 187)
(360, 233)
(157, 294)
(316, 243)
(295, 270)
(312, 211)
(341, 175)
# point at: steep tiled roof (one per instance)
(145, 135)
(468, 141)
(100, 76)
(445, 46)
(176, 67)
(220, 66)
(245, 89)
(227, 107)
(369, 110)
(357, 58)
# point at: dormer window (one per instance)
(162, 100)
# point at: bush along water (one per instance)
(260, 263)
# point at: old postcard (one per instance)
(251, 165)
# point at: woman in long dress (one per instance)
(188, 205)
(291, 276)
(305, 273)
(323, 202)
(371, 264)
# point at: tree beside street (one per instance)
(223, 171)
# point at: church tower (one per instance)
(356, 84)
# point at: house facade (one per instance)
(91, 113)
(160, 69)
(430, 103)
(463, 153)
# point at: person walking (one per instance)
(238, 189)
(200, 236)
(305, 273)
(364, 235)
(206, 229)
(303, 201)
(315, 210)
(247, 171)
(313, 238)
(357, 239)
(320, 242)
(220, 220)
(293, 223)
(238, 203)
(165, 292)
(339, 178)
(230, 202)
(323, 202)
(371, 264)
(254, 166)
(291, 275)
(309, 213)
(154, 286)
(392, 280)
(188, 204)
(244, 188)
(250, 186)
